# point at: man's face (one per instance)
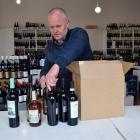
(58, 25)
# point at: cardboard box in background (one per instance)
(100, 87)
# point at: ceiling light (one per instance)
(98, 8)
(18, 1)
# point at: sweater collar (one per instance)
(59, 44)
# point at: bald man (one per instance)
(68, 45)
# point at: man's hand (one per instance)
(42, 82)
(50, 79)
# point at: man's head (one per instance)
(58, 23)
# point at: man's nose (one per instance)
(55, 30)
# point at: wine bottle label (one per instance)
(56, 108)
(7, 74)
(13, 75)
(64, 106)
(34, 116)
(38, 92)
(74, 109)
(1, 100)
(11, 109)
(24, 97)
(25, 73)
(31, 72)
(1, 74)
(41, 92)
(42, 62)
(20, 98)
(18, 74)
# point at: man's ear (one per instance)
(68, 22)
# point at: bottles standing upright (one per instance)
(72, 106)
(12, 105)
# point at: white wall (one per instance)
(80, 12)
(6, 42)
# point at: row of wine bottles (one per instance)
(30, 25)
(115, 26)
(58, 106)
(20, 66)
(21, 89)
(31, 34)
(61, 105)
(30, 44)
(119, 54)
(120, 44)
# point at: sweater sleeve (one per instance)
(74, 48)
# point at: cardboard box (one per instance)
(100, 87)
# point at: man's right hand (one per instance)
(42, 81)
(50, 79)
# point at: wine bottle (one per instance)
(72, 106)
(18, 67)
(1, 96)
(6, 68)
(45, 92)
(19, 91)
(52, 109)
(2, 67)
(1, 71)
(34, 109)
(25, 67)
(37, 88)
(29, 94)
(63, 103)
(12, 105)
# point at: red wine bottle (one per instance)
(12, 105)
(72, 106)
(45, 94)
(63, 102)
(29, 95)
(52, 109)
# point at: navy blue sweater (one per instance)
(76, 47)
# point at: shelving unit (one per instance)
(30, 40)
(123, 40)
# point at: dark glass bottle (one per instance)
(34, 109)
(2, 67)
(18, 67)
(12, 105)
(29, 94)
(52, 109)
(6, 68)
(37, 88)
(62, 102)
(25, 91)
(19, 91)
(72, 106)
(45, 93)
(1, 71)
(24, 68)
(12, 67)
(1, 97)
